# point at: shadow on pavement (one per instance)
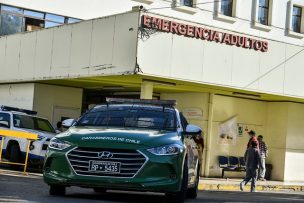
(25, 189)
(120, 196)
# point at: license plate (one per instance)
(104, 166)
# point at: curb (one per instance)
(227, 187)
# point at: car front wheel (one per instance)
(192, 192)
(179, 197)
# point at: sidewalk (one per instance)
(234, 185)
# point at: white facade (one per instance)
(102, 46)
(85, 46)
(277, 71)
(17, 95)
(203, 13)
(115, 51)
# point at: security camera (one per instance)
(141, 7)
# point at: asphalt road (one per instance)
(25, 189)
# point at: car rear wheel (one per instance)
(192, 192)
(57, 190)
(100, 189)
(179, 197)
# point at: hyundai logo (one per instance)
(105, 155)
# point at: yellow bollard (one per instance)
(2, 143)
(26, 156)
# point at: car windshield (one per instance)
(134, 116)
(34, 123)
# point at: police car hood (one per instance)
(117, 137)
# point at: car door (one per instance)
(191, 151)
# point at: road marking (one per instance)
(11, 200)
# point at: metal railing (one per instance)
(18, 134)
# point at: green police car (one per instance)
(127, 144)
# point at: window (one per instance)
(263, 12)
(294, 25)
(188, 3)
(34, 123)
(184, 121)
(11, 22)
(226, 10)
(14, 20)
(73, 20)
(186, 6)
(32, 24)
(33, 14)
(4, 120)
(33, 20)
(296, 19)
(11, 9)
(130, 116)
(52, 20)
(44, 125)
(226, 7)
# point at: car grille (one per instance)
(131, 161)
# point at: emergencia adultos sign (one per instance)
(203, 33)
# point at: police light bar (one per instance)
(169, 103)
(9, 108)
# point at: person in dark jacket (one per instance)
(253, 162)
(252, 138)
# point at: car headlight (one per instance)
(167, 150)
(58, 144)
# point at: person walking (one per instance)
(252, 138)
(253, 161)
(264, 153)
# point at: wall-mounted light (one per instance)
(113, 88)
(156, 82)
(106, 88)
(94, 87)
(247, 95)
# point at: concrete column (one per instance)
(209, 135)
(146, 90)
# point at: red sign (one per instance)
(203, 33)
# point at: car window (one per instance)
(42, 125)
(184, 121)
(134, 116)
(4, 120)
(34, 123)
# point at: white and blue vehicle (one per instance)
(23, 120)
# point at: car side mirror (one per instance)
(58, 131)
(68, 122)
(193, 130)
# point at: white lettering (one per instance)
(120, 139)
